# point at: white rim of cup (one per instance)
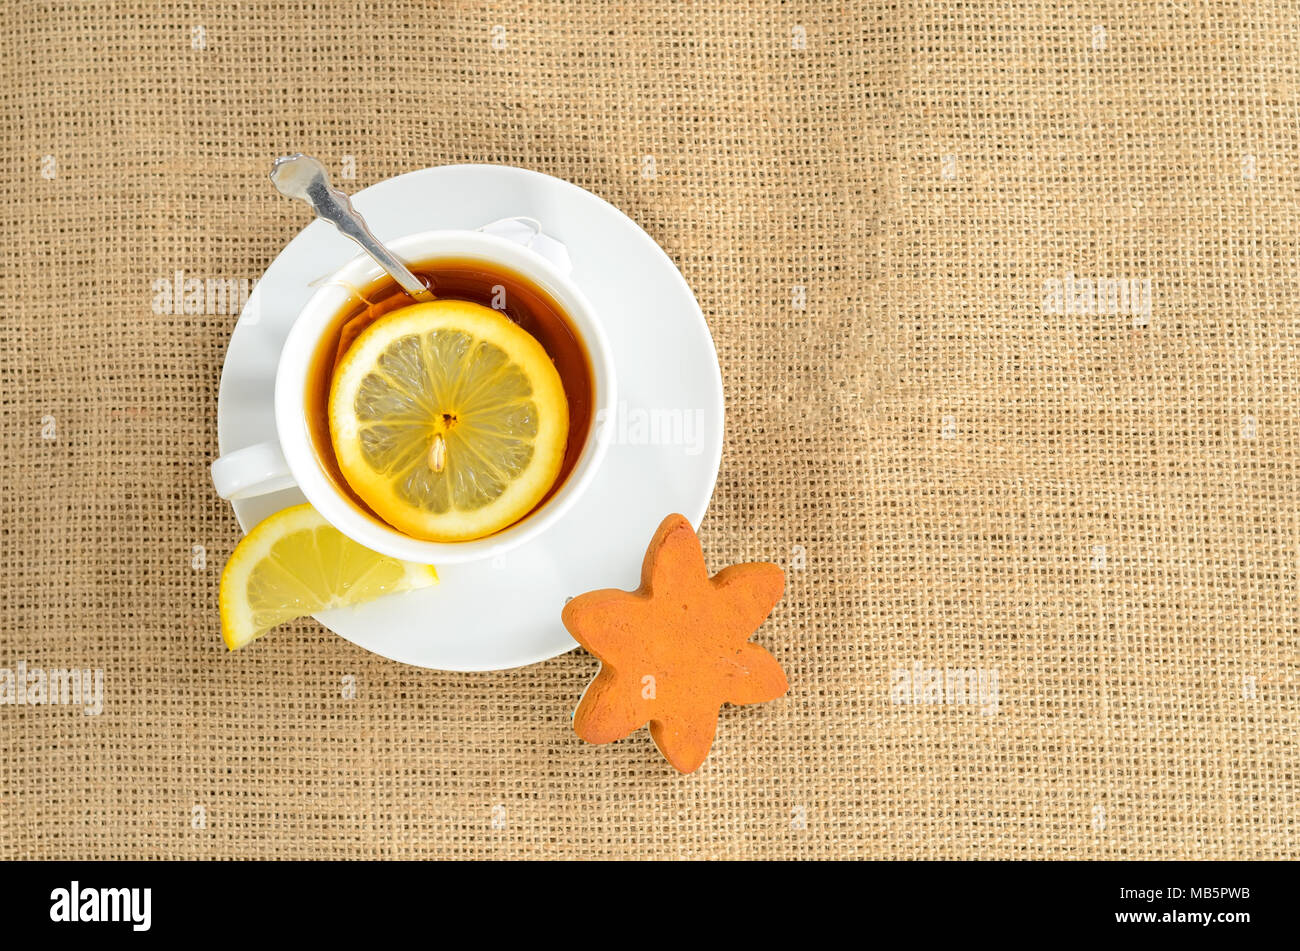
(324, 305)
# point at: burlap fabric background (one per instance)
(1099, 505)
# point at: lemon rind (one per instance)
(523, 494)
(237, 626)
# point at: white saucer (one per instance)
(506, 612)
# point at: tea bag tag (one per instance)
(528, 232)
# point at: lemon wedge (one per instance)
(294, 564)
(448, 420)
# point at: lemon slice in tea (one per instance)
(295, 563)
(448, 419)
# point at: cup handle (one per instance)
(528, 232)
(254, 470)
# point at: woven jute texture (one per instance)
(908, 225)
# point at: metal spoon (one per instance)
(301, 176)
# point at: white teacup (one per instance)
(268, 467)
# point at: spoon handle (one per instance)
(301, 176)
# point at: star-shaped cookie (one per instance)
(676, 649)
